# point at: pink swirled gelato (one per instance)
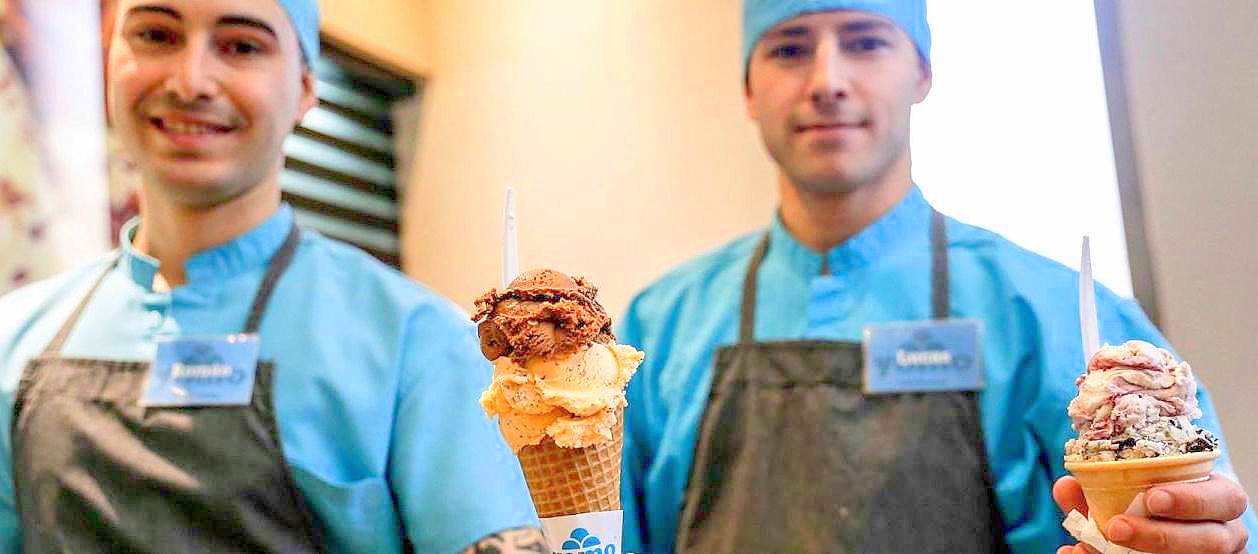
(1135, 401)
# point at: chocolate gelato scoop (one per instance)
(542, 313)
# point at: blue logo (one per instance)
(582, 542)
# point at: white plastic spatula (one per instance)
(1087, 306)
(510, 249)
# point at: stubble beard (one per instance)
(844, 179)
(206, 196)
(850, 175)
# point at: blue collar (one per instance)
(907, 223)
(248, 251)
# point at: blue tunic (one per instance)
(377, 382)
(1031, 347)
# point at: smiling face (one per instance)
(831, 93)
(203, 93)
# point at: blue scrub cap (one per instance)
(304, 14)
(761, 15)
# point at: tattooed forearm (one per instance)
(511, 541)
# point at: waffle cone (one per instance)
(569, 481)
(1110, 487)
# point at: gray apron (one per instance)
(792, 456)
(95, 472)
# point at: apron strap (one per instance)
(273, 273)
(54, 347)
(939, 282)
(747, 323)
(940, 304)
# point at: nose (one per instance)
(194, 78)
(828, 82)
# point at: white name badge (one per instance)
(923, 356)
(202, 371)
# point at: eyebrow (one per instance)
(796, 31)
(230, 20)
(857, 26)
(155, 9)
(242, 21)
(865, 25)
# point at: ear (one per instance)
(747, 97)
(107, 91)
(109, 113)
(751, 106)
(924, 81)
(309, 96)
(108, 28)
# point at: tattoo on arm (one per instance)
(511, 541)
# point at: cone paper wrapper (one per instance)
(594, 533)
(1084, 529)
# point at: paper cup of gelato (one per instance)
(1134, 415)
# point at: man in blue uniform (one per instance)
(227, 382)
(754, 426)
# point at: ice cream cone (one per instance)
(558, 389)
(569, 481)
(1110, 487)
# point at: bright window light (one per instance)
(1015, 134)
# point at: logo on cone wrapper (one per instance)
(590, 533)
(583, 542)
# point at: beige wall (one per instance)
(612, 122)
(1191, 73)
(391, 32)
